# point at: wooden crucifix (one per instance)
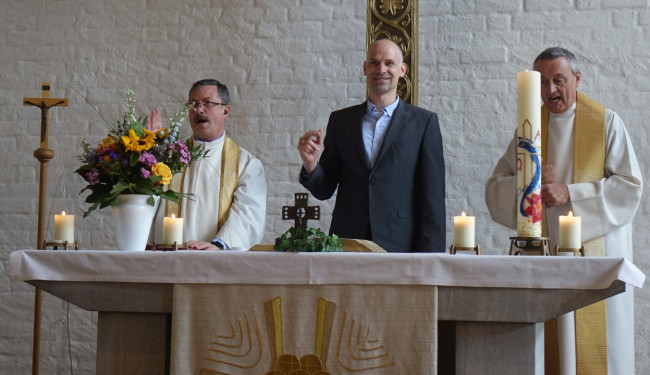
(300, 212)
(45, 103)
(44, 155)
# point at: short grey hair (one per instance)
(224, 94)
(553, 53)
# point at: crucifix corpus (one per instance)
(45, 103)
(44, 155)
(300, 212)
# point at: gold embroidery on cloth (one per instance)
(244, 351)
(227, 183)
(229, 178)
(588, 166)
(349, 361)
(357, 350)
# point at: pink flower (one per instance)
(180, 147)
(92, 177)
(147, 159)
(144, 173)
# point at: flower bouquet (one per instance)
(134, 160)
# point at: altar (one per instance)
(493, 302)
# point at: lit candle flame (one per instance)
(570, 213)
(173, 216)
(62, 213)
(462, 213)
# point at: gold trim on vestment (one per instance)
(588, 166)
(227, 183)
(228, 179)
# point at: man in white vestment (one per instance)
(573, 126)
(223, 213)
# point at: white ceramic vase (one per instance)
(133, 217)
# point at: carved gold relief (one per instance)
(397, 21)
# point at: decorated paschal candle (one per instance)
(529, 145)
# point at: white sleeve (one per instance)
(501, 188)
(611, 202)
(246, 220)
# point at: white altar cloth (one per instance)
(222, 267)
(493, 301)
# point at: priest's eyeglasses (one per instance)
(206, 104)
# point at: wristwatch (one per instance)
(217, 243)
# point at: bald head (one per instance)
(386, 44)
(383, 68)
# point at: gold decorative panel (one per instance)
(397, 21)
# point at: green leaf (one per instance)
(299, 239)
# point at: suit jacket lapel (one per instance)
(356, 133)
(400, 115)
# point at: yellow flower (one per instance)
(108, 142)
(162, 170)
(137, 144)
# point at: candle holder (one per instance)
(529, 246)
(168, 247)
(55, 244)
(453, 249)
(557, 250)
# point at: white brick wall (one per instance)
(288, 63)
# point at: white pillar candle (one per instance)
(173, 230)
(529, 144)
(64, 227)
(570, 236)
(464, 227)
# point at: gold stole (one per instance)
(228, 183)
(588, 166)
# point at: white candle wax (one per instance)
(173, 230)
(570, 236)
(529, 206)
(64, 227)
(464, 231)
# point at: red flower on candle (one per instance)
(535, 208)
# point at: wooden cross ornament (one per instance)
(301, 212)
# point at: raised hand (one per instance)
(154, 122)
(309, 147)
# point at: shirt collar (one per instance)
(387, 110)
(213, 141)
(569, 112)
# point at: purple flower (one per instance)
(112, 155)
(92, 177)
(181, 148)
(144, 173)
(147, 159)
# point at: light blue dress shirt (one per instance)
(374, 127)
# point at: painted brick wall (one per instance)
(288, 64)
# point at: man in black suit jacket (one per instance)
(386, 158)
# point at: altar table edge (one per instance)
(207, 267)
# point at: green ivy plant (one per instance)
(298, 239)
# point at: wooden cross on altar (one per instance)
(45, 103)
(301, 212)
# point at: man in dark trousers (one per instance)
(385, 157)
